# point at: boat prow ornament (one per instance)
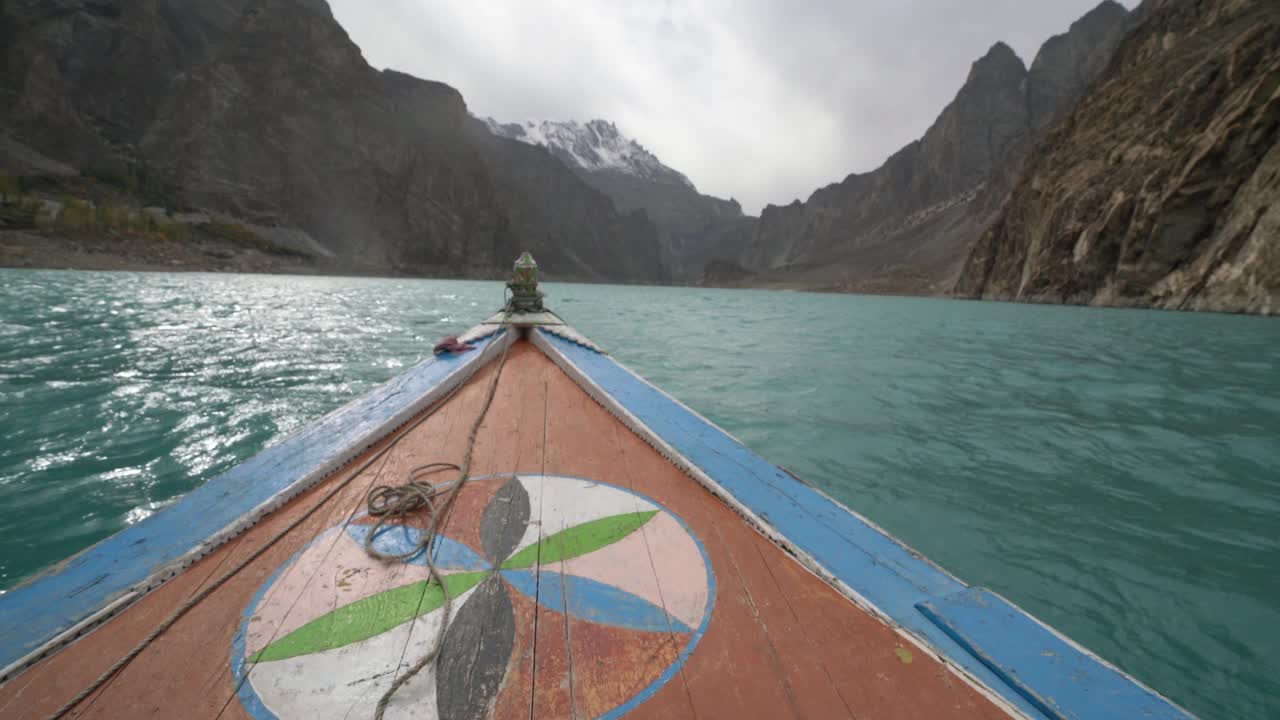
(525, 309)
(525, 296)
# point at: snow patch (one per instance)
(593, 146)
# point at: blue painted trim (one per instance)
(50, 604)
(875, 565)
(1052, 674)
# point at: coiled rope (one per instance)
(387, 502)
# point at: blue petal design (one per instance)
(399, 539)
(593, 601)
(453, 555)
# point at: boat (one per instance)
(521, 526)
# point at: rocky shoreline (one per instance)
(1160, 189)
(47, 249)
(56, 250)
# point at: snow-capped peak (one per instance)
(593, 146)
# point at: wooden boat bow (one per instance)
(613, 553)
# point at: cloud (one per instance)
(761, 100)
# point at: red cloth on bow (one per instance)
(451, 344)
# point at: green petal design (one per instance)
(367, 617)
(579, 540)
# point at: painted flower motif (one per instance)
(589, 575)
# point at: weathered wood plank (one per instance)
(720, 681)
(789, 654)
(736, 671)
(637, 463)
(523, 429)
(607, 664)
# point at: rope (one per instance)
(391, 502)
(209, 589)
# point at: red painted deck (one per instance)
(584, 564)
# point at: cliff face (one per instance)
(906, 225)
(859, 224)
(1162, 187)
(266, 110)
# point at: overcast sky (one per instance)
(762, 100)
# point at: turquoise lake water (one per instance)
(1115, 472)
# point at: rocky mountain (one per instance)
(595, 146)
(265, 110)
(1162, 188)
(689, 222)
(906, 226)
